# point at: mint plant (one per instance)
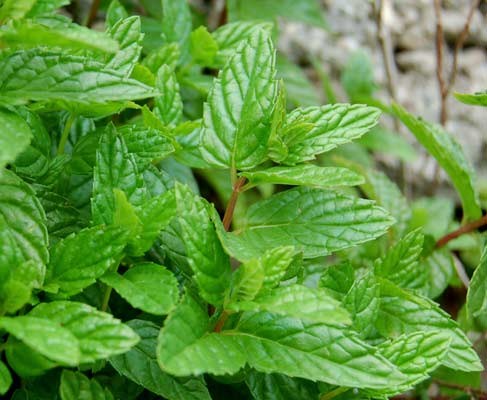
(177, 221)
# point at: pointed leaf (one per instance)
(99, 334)
(168, 106)
(176, 23)
(146, 286)
(79, 259)
(45, 337)
(236, 120)
(305, 175)
(449, 155)
(76, 386)
(314, 221)
(210, 264)
(476, 99)
(127, 33)
(477, 292)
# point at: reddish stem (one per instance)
(227, 218)
(467, 228)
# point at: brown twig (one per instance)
(467, 228)
(95, 5)
(465, 389)
(227, 218)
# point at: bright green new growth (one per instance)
(171, 224)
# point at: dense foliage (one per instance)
(152, 244)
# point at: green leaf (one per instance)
(14, 295)
(16, 136)
(185, 347)
(402, 312)
(167, 54)
(203, 46)
(115, 169)
(76, 386)
(299, 90)
(307, 11)
(449, 155)
(45, 337)
(145, 144)
(26, 361)
(210, 264)
(168, 106)
(314, 351)
(440, 268)
(229, 36)
(146, 286)
(416, 355)
(78, 260)
(5, 378)
(280, 387)
(333, 125)
(387, 142)
(305, 175)
(358, 77)
(316, 222)
(400, 264)
(44, 7)
(127, 33)
(115, 13)
(362, 301)
(247, 281)
(72, 80)
(99, 334)
(56, 32)
(338, 279)
(140, 365)
(476, 99)
(237, 116)
(15, 9)
(176, 23)
(477, 291)
(23, 234)
(298, 301)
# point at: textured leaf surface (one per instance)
(402, 312)
(78, 260)
(127, 33)
(46, 337)
(475, 99)
(76, 386)
(100, 335)
(115, 168)
(312, 351)
(23, 234)
(400, 264)
(210, 264)
(297, 301)
(334, 125)
(477, 292)
(449, 155)
(440, 269)
(168, 106)
(42, 75)
(185, 347)
(15, 136)
(280, 387)
(176, 23)
(147, 286)
(140, 365)
(236, 118)
(305, 175)
(314, 221)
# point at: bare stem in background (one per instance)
(384, 40)
(467, 228)
(95, 5)
(215, 15)
(445, 85)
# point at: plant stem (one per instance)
(95, 5)
(221, 321)
(334, 393)
(466, 389)
(227, 218)
(106, 298)
(65, 134)
(467, 228)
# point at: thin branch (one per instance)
(95, 5)
(227, 218)
(467, 228)
(439, 62)
(465, 389)
(221, 321)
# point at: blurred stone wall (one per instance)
(412, 30)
